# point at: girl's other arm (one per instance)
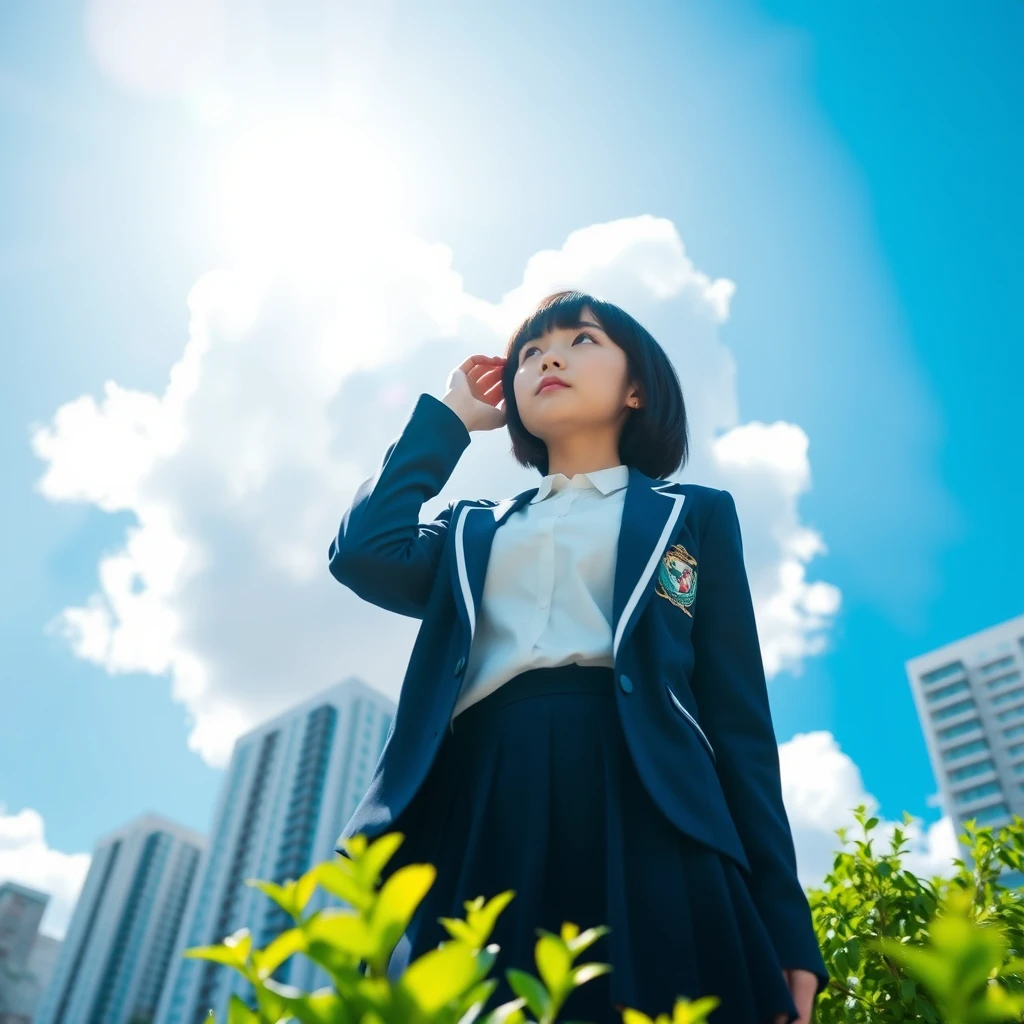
(729, 684)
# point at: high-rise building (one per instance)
(290, 787)
(970, 700)
(21, 910)
(114, 959)
(26, 956)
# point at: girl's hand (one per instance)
(475, 391)
(803, 984)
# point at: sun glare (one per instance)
(297, 191)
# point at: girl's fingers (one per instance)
(494, 386)
(490, 375)
(486, 380)
(478, 359)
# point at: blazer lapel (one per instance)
(475, 527)
(649, 517)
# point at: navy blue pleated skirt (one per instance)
(534, 790)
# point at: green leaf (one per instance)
(458, 929)
(584, 940)
(303, 890)
(482, 916)
(527, 987)
(380, 851)
(440, 976)
(280, 894)
(507, 1013)
(239, 1013)
(356, 845)
(635, 1017)
(218, 954)
(587, 972)
(343, 929)
(341, 883)
(285, 945)
(321, 1007)
(396, 902)
(553, 962)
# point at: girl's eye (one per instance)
(527, 349)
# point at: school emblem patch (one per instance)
(677, 577)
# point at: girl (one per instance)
(584, 718)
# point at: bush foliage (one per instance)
(898, 947)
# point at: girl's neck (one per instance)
(581, 455)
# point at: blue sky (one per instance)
(855, 172)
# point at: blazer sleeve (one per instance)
(381, 550)
(732, 695)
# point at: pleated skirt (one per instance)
(534, 789)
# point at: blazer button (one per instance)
(459, 666)
(626, 683)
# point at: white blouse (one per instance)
(547, 597)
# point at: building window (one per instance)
(965, 796)
(964, 749)
(1004, 680)
(941, 692)
(959, 729)
(971, 769)
(989, 813)
(945, 672)
(959, 708)
(995, 666)
(1004, 698)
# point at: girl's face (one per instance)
(592, 370)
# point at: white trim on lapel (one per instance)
(498, 510)
(460, 561)
(656, 554)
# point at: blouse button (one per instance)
(459, 666)
(626, 683)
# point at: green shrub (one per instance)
(897, 947)
(903, 948)
(353, 944)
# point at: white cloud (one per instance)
(157, 46)
(294, 379)
(25, 858)
(821, 785)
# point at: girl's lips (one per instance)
(552, 387)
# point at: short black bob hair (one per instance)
(655, 437)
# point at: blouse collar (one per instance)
(612, 478)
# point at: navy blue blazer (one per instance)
(690, 681)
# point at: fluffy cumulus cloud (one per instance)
(291, 383)
(821, 785)
(25, 858)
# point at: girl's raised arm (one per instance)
(381, 550)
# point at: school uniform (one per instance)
(583, 724)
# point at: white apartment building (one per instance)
(970, 700)
(114, 959)
(291, 786)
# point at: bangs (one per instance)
(564, 310)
